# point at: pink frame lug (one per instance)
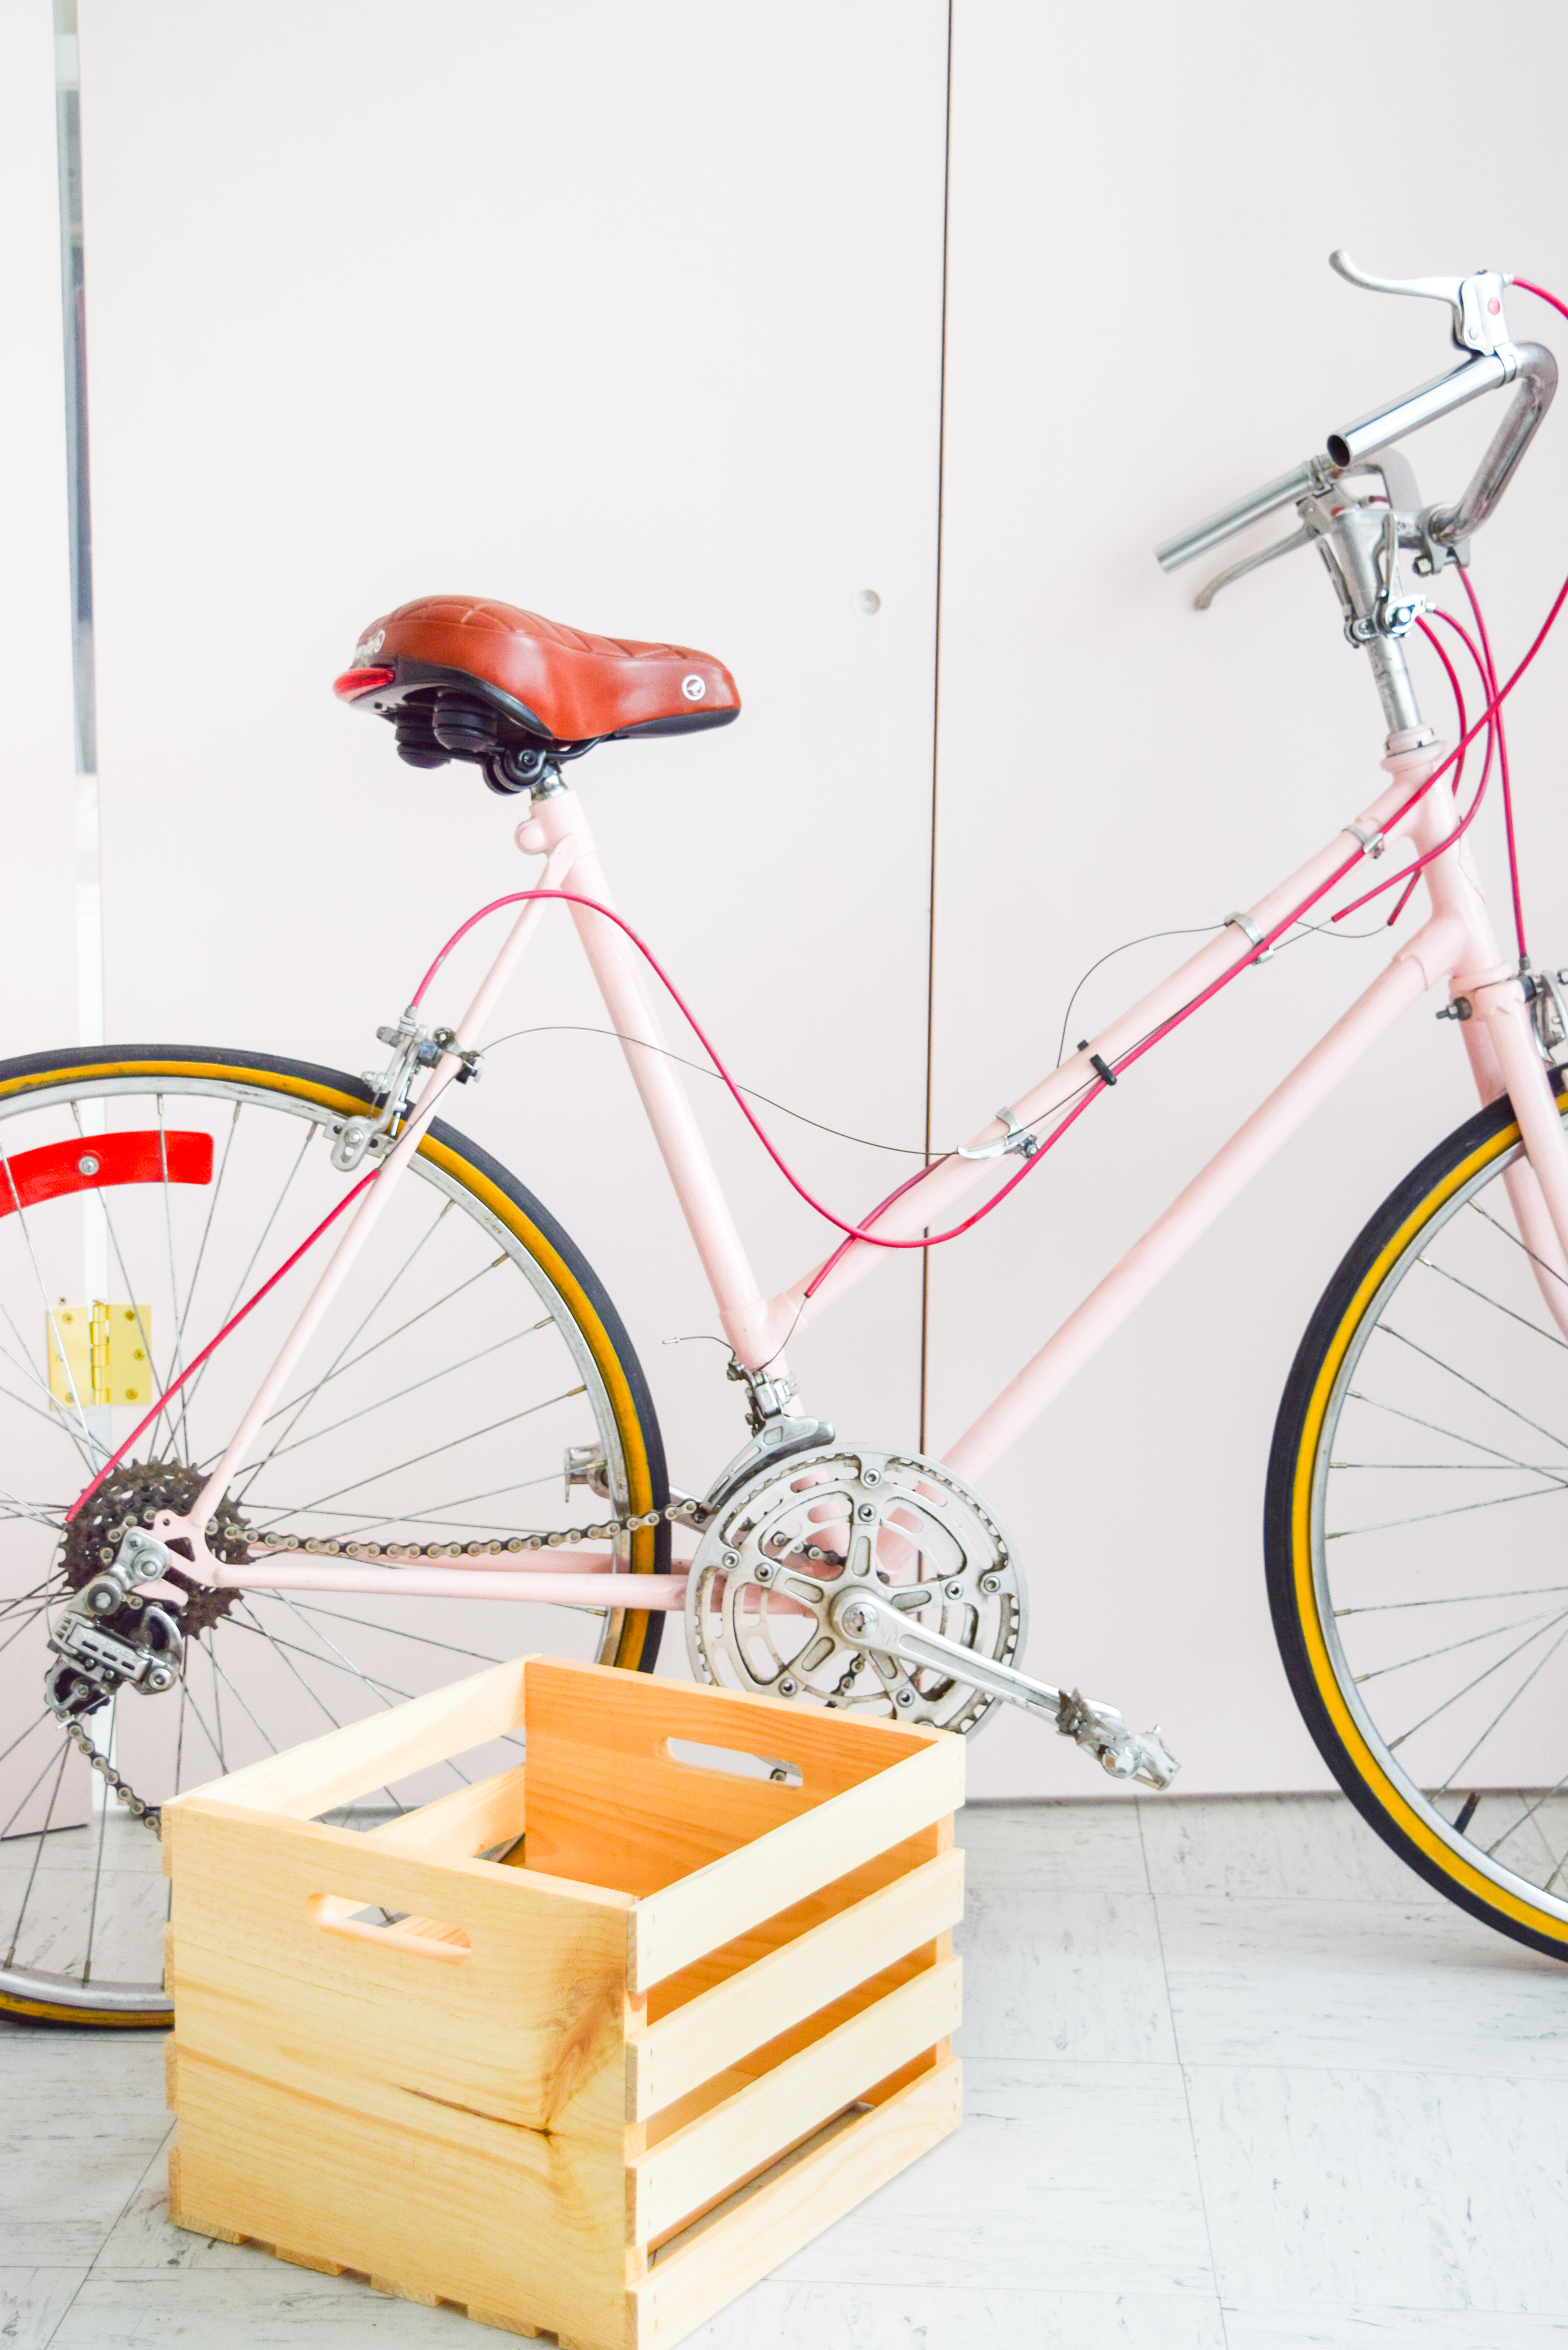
(1456, 943)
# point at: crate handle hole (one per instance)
(388, 1929)
(733, 1762)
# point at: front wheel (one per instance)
(472, 1384)
(1414, 1530)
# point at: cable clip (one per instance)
(1018, 1138)
(1102, 1068)
(1248, 928)
(1372, 843)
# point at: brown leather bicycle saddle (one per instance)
(465, 678)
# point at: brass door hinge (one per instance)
(99, 1354)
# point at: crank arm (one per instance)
(863, 1617)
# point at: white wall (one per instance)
(633, 314)
(1141, 327)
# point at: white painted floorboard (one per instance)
(1234, 2081)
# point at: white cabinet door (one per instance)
(630, 316)
(1142, 327)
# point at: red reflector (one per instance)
(356, 681)
(91, 1160)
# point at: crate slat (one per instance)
(686, 2171)
(334, 1769)
(696, 1913)
(488, 1813)
(671, 2057)
(697, 2279)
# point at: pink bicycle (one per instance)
(278, 1342)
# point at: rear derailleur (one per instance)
(108, 1638)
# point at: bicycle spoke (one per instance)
(179, 1737)
(1451, 1468)
(387, 1692)
(27, 1799)
(188, 1696)
(217, 1706)
(241, 1286)
(39, 1851)
(166, 1412)
(1523, 1246)
(1471, 1640)
(1513, 1701)
(1457, 1510)
(207, 1225)
(397, 1395)
(347, 1664)
(25, 1229)
(25, 1625)
(1531, 1468)
(271, 1744)
(470, 1436)
(1525, 1816)
(425, 1639)
(1395, 1744)
(1551, 1336)
(1461, 1600)
(37, 1723)
(337, 1364)
(98, 1863)
(176, 1364)
(57, 1415)
(1387, 1330)
(437, 1514)
(424, 1315)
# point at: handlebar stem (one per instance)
(1357, 540)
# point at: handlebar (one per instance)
(1479, 330)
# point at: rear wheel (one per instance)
(1417, 1531)
(472, 1384)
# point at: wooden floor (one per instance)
(1235, 2080)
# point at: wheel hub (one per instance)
(130, 1498)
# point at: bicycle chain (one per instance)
(148, 1813)
(687, 1513)
(683, 1512)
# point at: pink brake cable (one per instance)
(1489, 718)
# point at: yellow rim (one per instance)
(42, 2012)
(1368, 1768)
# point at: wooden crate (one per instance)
(597, 2093)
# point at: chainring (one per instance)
(778, 1550)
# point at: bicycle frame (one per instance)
(1456, 941)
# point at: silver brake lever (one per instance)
(1399, 484)
(1476, 301)
(1206, 594)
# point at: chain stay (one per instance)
(683, 1512)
